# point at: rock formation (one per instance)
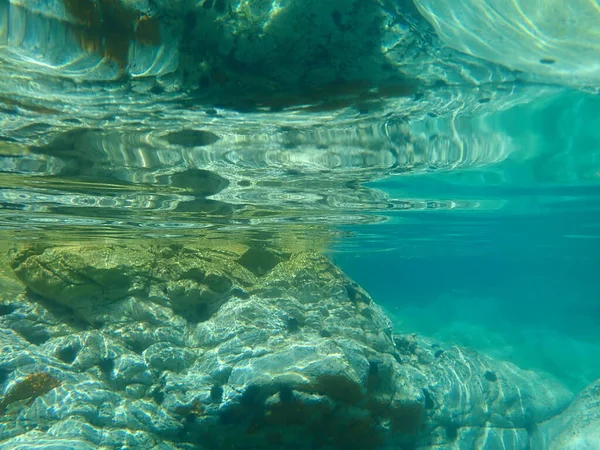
(577, 428)
(189, 347)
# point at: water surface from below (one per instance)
(172, 174)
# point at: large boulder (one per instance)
(239, 348)
(577, 428)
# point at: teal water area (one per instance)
(540, 313)
(517, 275)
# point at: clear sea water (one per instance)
(516, 275)
(470, 211)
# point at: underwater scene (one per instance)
(300, 224)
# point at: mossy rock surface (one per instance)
(75, 275)
(81, 277)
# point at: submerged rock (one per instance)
(191, 348)
(577, 428)
(107, 284)
(474, 401)
(81, 277)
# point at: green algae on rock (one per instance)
(192, 282)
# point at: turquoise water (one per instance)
(170, 174)
(516, 275)
(539, 311)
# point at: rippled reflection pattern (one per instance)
(548, 40)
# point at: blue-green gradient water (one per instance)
(516, 276)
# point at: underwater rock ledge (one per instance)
(578, 427)
(190, 347)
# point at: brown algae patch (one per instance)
(107, 27)
(31, 387)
